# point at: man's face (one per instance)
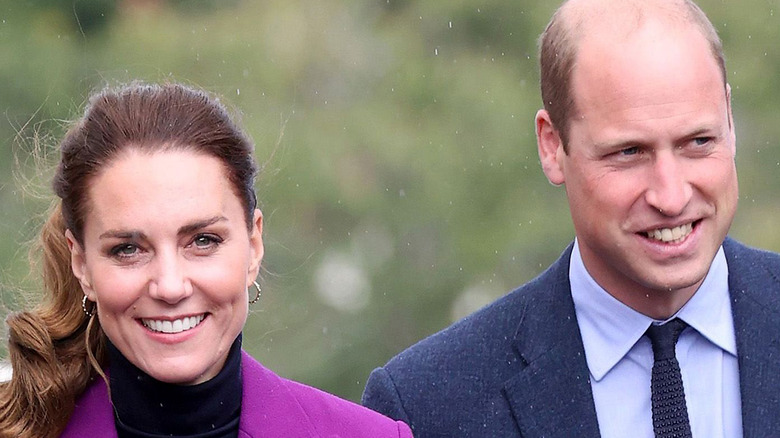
(650, 173)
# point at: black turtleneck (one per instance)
(147, 408)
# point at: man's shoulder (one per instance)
(477, 335)
(749, 264)
(754, 282)
(737, 251)
(486, 335)
(470, 363)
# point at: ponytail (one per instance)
(54, 349)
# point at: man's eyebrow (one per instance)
(195, 226)
(704, 130)
(620, 143)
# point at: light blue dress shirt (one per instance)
(620, 358)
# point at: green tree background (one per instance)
(401, 184)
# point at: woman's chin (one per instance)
(180, 376)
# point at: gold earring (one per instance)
(257, 295)
(89, 313)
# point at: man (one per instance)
(637, 125)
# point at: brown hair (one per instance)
(558, 53)
(55, 349)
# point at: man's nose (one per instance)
(668, 188)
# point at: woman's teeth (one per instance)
(175, 326)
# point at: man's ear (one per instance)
(256, 249)
(550, 148)
(733, 133)
(78, 264)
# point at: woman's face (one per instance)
(168, 259)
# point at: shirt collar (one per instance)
(709, 310)
(610, 329)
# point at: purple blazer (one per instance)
(270, 407)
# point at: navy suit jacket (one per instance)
(517, 368)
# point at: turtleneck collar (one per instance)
(145, 407)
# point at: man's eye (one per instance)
(701, 141)
(629, 151)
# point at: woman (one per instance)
(148, 258)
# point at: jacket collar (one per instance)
(551, 395)
(755, 294)
(268, 408)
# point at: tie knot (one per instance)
(664, 338)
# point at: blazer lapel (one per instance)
(755, 293)
(551, 396)
(268, 408)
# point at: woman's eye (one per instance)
(124, 250)
(206, 241)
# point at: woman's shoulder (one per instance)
(92, 415)
(279, 404)
(331, 414)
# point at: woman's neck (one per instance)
(143, 404)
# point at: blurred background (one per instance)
(401, 185)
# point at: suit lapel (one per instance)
(551, 396)
(755, 293)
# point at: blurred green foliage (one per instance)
(401, 184)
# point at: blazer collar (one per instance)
(754, 286)
(268, 408)
(551, 396)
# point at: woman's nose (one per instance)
(169, 282)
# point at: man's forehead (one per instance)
(617, 19)
(650, 44)
(650, 57)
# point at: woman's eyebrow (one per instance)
(189, 228)
(123, 234)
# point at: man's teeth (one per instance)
(175, 326)
(671, 235)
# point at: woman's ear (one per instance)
(550, 147)
(256, 249)
(78, 264)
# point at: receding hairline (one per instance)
(612, 20)
(581, 16)
(620, 19)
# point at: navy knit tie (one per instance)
(670, 415)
